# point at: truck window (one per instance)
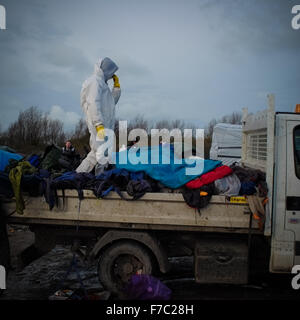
(297, 150)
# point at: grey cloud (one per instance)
(252, 25)
(13, 72)
(9, 107)
(65, 56)
(33, 55)
(186, 59)
(132, 68)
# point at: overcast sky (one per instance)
(178, 59)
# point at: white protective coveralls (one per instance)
(98, 103)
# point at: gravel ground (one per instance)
(43, 277)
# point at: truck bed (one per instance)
(156, 211)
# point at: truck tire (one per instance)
(119, 262)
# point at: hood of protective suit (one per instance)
(106, 67)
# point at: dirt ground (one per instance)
(43, 277)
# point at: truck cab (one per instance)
(271, 142)
(285, 249)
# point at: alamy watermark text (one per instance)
(2, 18)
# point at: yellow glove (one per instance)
(116, 81)
(100, 132)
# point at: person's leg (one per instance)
(104, 149)
(88, 163)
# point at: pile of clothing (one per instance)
(228, 181)
(21, 173)
(42, 175)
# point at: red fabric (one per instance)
(209, 177)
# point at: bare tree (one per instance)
(80, 137)
(55, 134)
(138, 122)
(210, 127)
(178, 124)
(81, 130)
(162, 124)
(233, 118)
(34, 128)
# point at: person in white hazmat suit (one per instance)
(98, 102)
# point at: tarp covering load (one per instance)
(8, 149)
(172, 174)
(226, 143)
(5, 156)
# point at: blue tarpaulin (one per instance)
(5, 156)
(166, 166)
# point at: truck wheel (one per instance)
(119, 262)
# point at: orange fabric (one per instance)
(203, 193)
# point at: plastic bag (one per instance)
(146, 287)
(228, 186)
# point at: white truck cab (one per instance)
(285, 249)
(271, 142)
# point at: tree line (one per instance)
(34, 130)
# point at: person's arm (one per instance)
(116, 91)
(93, 102)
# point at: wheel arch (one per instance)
(144, 238)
